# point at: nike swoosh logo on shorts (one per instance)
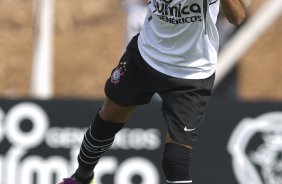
(189, 129)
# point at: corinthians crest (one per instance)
(118, 72)
(262, 163)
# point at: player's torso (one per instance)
(182, 34)
(182, 12)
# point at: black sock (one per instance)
(177, 163)
(98, 138)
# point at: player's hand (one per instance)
(234, 11)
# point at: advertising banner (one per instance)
(239, 143)
(39, 143)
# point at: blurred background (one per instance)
(56, 55)
(89, 38)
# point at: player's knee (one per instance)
(177, 162)
(114, 112)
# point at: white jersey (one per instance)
(179, 37)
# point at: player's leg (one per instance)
(100, 136)
(177, 162)
(125, 89)
(184, 111)
(98, 139)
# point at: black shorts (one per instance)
(184, 101)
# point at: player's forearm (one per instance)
(234, 11)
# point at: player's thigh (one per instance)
(184, 109)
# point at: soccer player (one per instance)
(175, 56)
